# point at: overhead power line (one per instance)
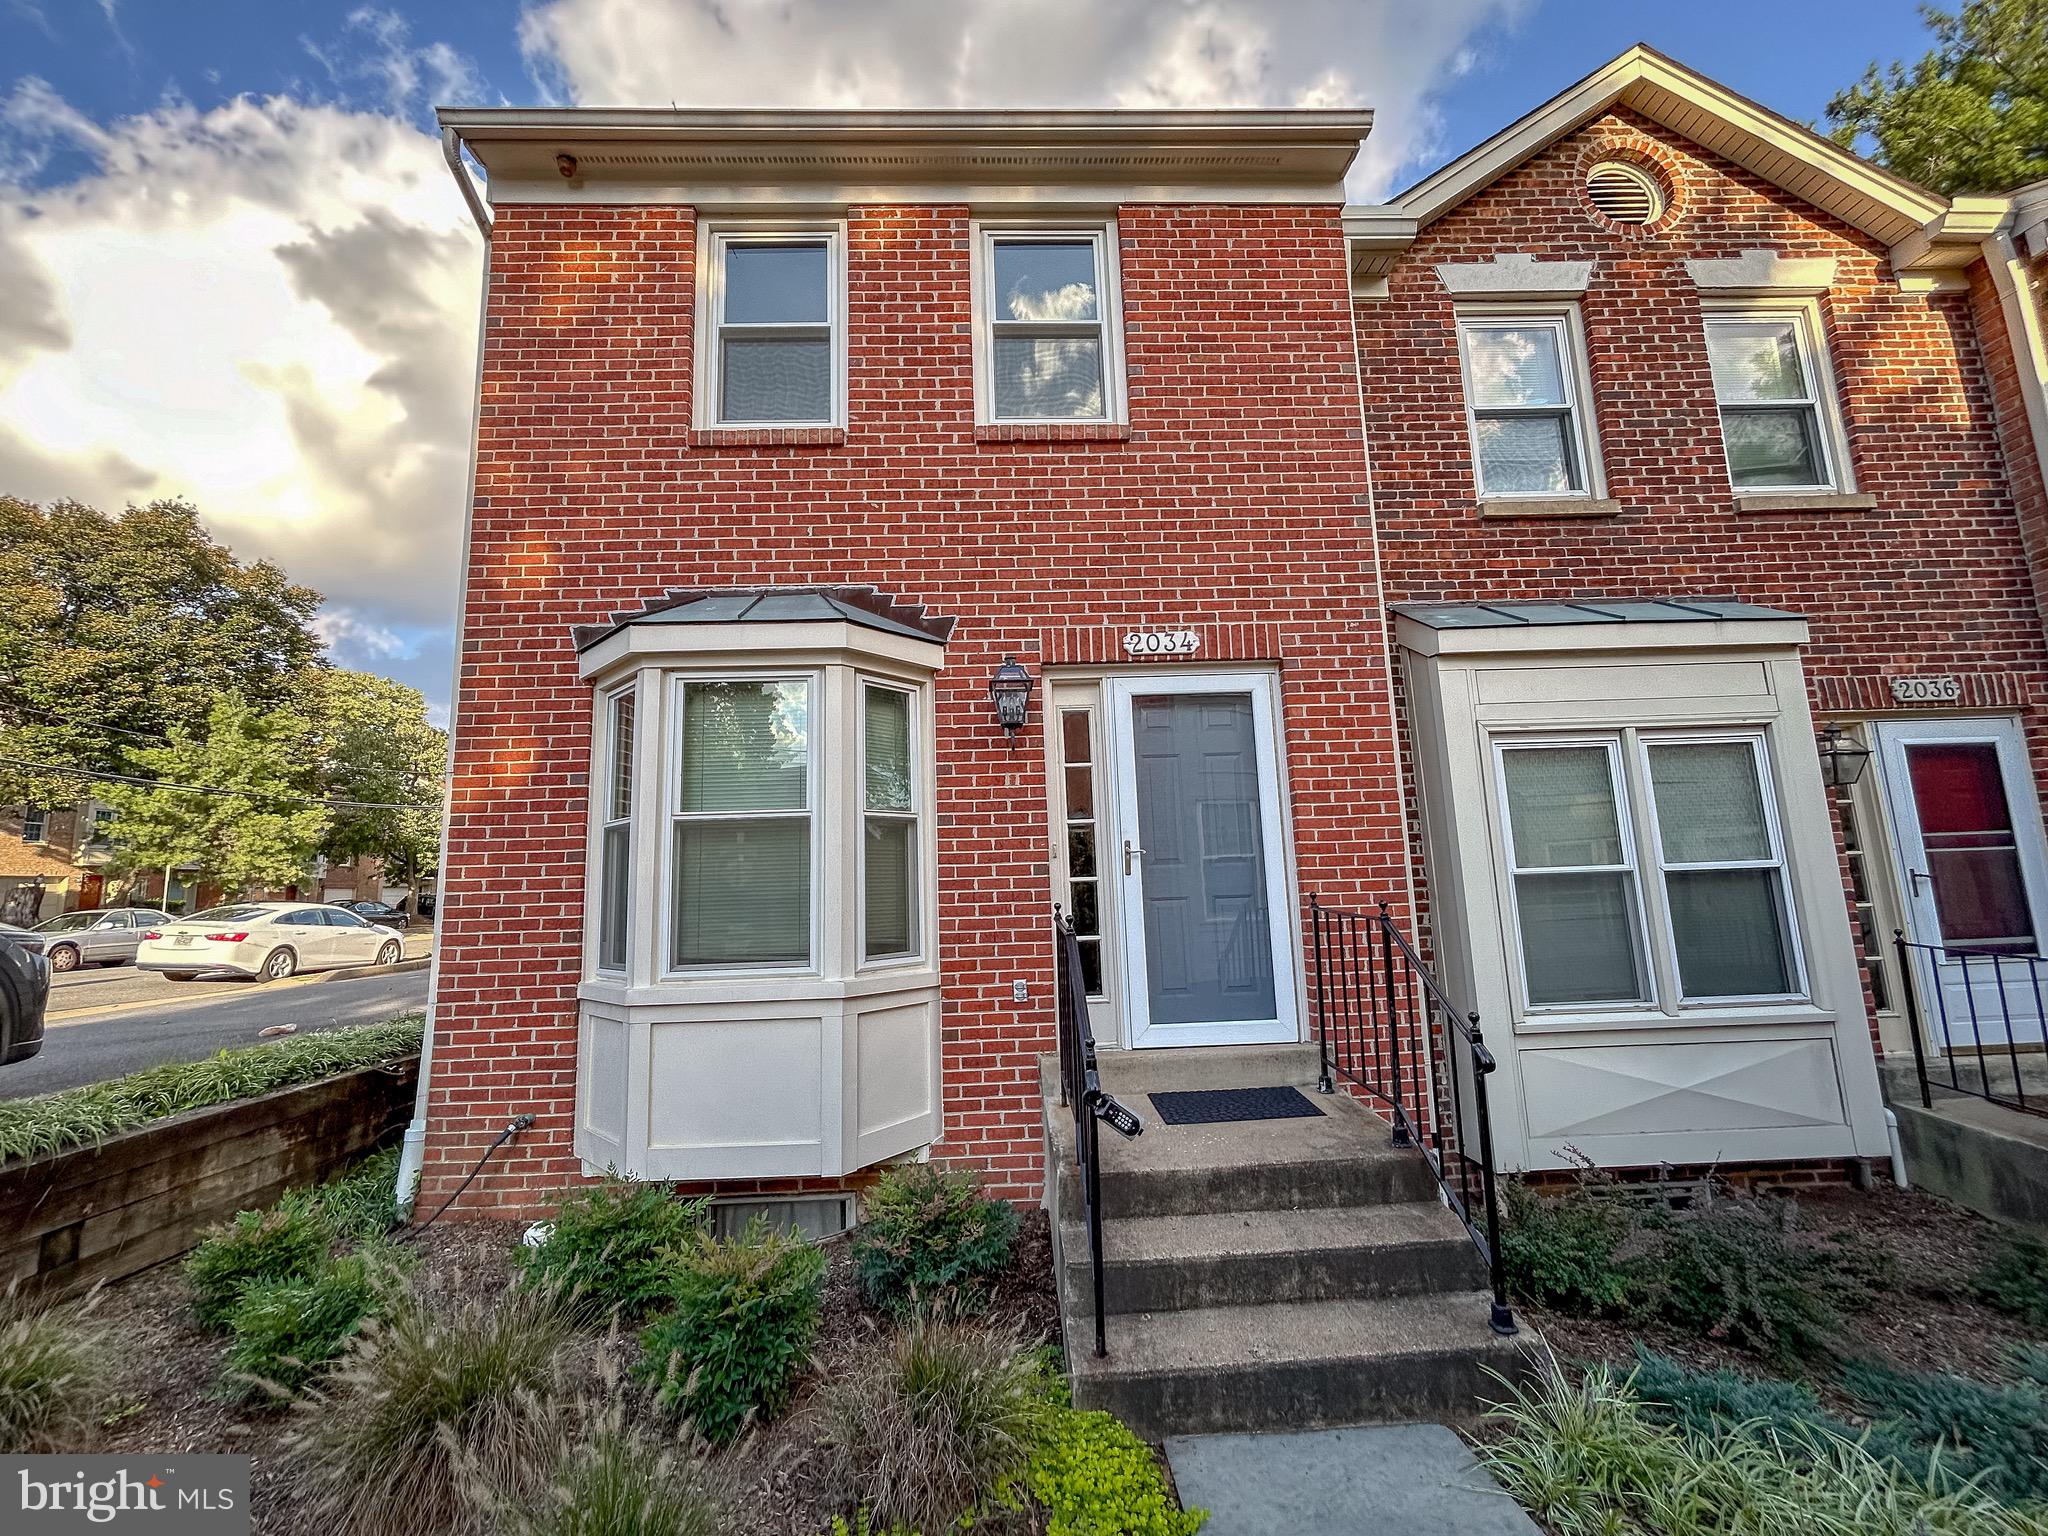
(99, 777)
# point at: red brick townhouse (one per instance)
(1496, 553)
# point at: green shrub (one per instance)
(941, 1422)
(609, 1250)
(1586, 1460)
(1997, 1435)
(53, 1380)
(616, 1480)
(2016, 1280)
(362, 1203)
(929, 1240)
(1731, 1269)
(1563, 1250)
(2030, 1363)
(1712, 1405)
(286, 1332)
(740, 1336)
(290, 1241)
(428, 1403)
(1093, 1477)
(78, 1117)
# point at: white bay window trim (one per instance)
(614, 781)
(990, 324)
(1586, 477)
(1820, 400)
(909, 817)
(716, 238)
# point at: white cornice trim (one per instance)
(1763, 271)
(1515, 275)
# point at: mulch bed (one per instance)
(168, 1400)
(1926, 1321)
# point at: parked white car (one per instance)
(267, 940)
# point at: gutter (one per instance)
(412, 1152)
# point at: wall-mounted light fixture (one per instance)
(1842, 760)
(1010, 689)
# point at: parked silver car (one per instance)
(106, 937)
(267, 941)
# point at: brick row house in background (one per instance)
(1496, 553)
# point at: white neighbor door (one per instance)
(1973, 872)
(1198, 852)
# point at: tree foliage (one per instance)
(1972, 114)
(378, 748)
(120, 627)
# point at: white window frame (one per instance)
(1565, 321)
(817, 710)
(1667, 932)
(605, 766)
(713, 239)
(1631, 869)
(1109, 321)
(1824, 400)
(919, 920)
(35, 824)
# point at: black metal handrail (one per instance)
(2028, 985)
(1379, 1012)
(1081, 1087)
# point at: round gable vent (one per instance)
(1626, 193)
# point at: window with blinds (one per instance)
(889, 831)
(1776, 421)
(741, 857)
(774, 316)
(615, 832)
(1049, 339)
(1529, 433)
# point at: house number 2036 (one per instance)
(1927, 690)
(1162, 642)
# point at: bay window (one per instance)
(889, 830)
(614, 852)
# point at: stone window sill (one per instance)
(1538, 506)
(767, 437)
(1052, 432)
(1806, 501)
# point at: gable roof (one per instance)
(1642, 80)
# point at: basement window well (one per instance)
(760, 998)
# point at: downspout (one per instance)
(2023, 332)
(412, 1152)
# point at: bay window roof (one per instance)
(861, 606)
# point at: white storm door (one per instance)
(1974, 874)
(1200, 862)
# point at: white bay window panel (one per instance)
(1523, 389)
(615, 838)
(1048, 331)
(889, 834)
(1778, 423)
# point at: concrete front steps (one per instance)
(1271, 1274)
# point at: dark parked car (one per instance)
(24, 990)
(377, 912)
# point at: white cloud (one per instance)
(995, 53)
(268, 308)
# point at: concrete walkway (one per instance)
(1418, 1479)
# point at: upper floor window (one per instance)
(1525, 397)
(772, 309)
(1778, 419)
(35, 825)
(1048, 327)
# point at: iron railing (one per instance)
(1384, 1024)
(1081, 1088)
(1986, 976)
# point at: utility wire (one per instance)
(44, 717)
(210, 789)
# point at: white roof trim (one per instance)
(1802, 162)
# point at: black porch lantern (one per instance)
(1842, 761)
(1010, 688)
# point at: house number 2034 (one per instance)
(1162, 642)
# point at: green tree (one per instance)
(264, 834)
(116, 629)
(378, 748)
(1972, 114)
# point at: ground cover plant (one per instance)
(284, 1333)
(77, 1117)
(2016, 1280)
(609, 1248)
(287, 1242)
(929, 1240)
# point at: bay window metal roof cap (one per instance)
(864, 606)
(1530, 615)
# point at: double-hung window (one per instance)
(741, 852)
(889, 832)
(1778, 421)
(1524, 393)
(35, 824)
(773, 308)
(615, 831)
(1716, 924)
(1048, 333)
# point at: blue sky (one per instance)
(235, 269)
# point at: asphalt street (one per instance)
(103, 1023)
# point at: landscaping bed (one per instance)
(788, 1357)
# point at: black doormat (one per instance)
(1209, 1106)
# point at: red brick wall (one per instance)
(1236, 500)
(1934, 579)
